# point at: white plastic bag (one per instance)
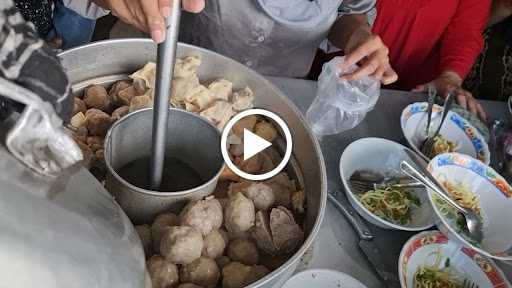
(339, 104)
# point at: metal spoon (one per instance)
(166, 56)
(473, 220)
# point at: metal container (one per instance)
(104, 62)
(190, 138)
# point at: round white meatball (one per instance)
(243, 251)
(214, 245)
(239, 214)
(161, 223)
(203, 271)
(181, 244)
(163, 273)
(204, 215)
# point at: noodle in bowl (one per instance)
(478, 187)
(432, 248)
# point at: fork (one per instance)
(469, 284)
(362, 186)
(427, 147)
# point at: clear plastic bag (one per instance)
(339, 104)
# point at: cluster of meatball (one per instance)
(96, 110)
(229, 240)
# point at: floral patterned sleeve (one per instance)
(28, 62)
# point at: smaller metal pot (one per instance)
(190, 138)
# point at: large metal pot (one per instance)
(104, 61)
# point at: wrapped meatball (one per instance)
(181, 244)
(260, 193)
(120, 113)
(214, 245)
(186, 66)
(243, 99)
(222, 261)
(243, 251)
(286, 233)
(98, 122)
(262, 235)
(161, 223)
(125, 96)
(189, 285)
(79, 106)
(266, 131)
(247, 122)
(96, 96)
(218, 113)
(221, 89)
(238, 275)
(239, 214)
(204, 215)
(163, 273)
(78, 120)
(140, 102)
(117, 87)
(203, 271)
(144, 232)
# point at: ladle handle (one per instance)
(429, 182)
(166, 56)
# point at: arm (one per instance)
(462, 40)
(461, 43)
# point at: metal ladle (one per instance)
(166, 56)
(422, 175)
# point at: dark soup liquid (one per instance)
(177, 175)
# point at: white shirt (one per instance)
(274, 37)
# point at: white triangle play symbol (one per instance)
(253, 144)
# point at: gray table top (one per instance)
(384, 122)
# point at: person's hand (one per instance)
(148, 15)
(451, 82)
(368, 50)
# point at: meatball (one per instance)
(203, 271)
(189, 285)
(286, 233)
(260, 193)
(163, 273)
(239, 214)
(98, 122)
(204, 215)
(181, 244)
(214, 245)
(79, 106)
(144, 232)
(243, 251)
(236, 275)
(161, 223)
(96, 96)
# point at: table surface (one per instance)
(337, 244)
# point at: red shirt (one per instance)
(426, 37)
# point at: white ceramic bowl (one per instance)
(455, 129)
(382, 156)
(495, 197)
(421, 248)
(322, 278)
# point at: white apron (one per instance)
(274, 37)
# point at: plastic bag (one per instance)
(339, 104)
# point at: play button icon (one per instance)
(254, 144)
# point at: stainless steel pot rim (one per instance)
(151, 192)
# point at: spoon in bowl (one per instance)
(473, 221)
